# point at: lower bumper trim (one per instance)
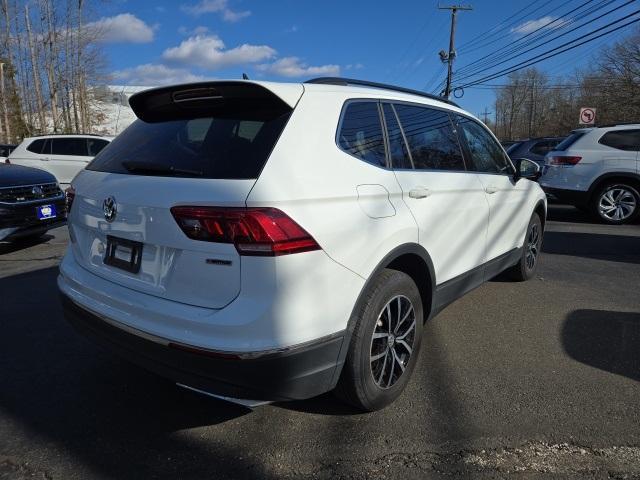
(295, 374)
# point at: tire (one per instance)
(616, 203)
(373, 384)
(526, 267)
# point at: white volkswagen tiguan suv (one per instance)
(598, 170)
(63, 156)
(275, 241)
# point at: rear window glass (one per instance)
(232, 146)
(512, 148)
(361, 133)
(628, 140)
(570, 140)
(544, 147)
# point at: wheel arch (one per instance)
(541, 210)
(630, 177)
(410, 258)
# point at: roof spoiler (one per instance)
(207, 99)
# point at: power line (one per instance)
(488, 65)
(496, 28)
(552, 53)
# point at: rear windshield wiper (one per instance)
(160, 169)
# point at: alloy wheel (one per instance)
(392, 341)
(617, 203)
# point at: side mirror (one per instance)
(526, 168)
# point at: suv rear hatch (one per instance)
(193, 145)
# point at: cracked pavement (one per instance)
(526, 380)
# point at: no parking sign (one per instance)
(587, 116)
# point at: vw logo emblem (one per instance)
(37, 192)
(109, 208)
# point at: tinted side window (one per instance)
(361, 133)
(36, 146)
(397, 147)
(95, 145)
(628, 140)
(486, 154)
(69, 146)
(432, 140)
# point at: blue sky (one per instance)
(158, 42)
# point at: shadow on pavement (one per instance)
(22, 243)
(115, 419)
(613, 248)
(605, 340)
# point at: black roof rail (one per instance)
(619, 124)
(345, 82)
(68, 135)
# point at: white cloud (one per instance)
(293, 67)
(123, 28)
(208, 51)
(216, 6)
(199, 30)
(532, 25)
(354, 66)
(153, 74)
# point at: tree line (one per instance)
(531, 104)
(49, 61)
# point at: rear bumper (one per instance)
(298, 372)
(570, 197)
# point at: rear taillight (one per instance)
(564, 160)
(6, 160)
(254, 231)
(70, 194)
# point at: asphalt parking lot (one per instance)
(533, 379)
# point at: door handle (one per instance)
(419, 192)
(45, 159)
(491, 189)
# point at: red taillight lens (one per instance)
(254, 231)
(6, 160)
(70, 194)
(564, 160)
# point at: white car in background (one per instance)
(274, 241)
(61, 155)
(598, 170)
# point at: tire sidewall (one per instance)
(397, 284)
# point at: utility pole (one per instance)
(448, 57)
(485, 114)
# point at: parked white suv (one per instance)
(597, 169)
(61, 155)
(275, 241)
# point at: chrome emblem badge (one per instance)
(37, 192)
(110, 209)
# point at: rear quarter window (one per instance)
(360, 133)
(36, 146)
(628, 140)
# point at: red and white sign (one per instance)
(587, 116)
